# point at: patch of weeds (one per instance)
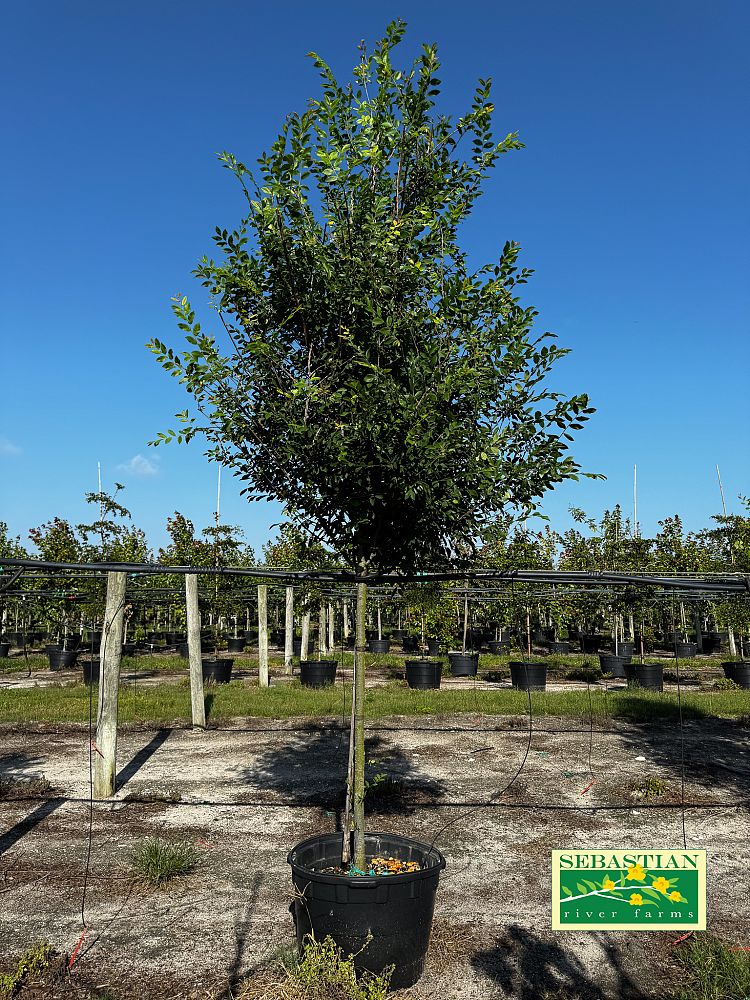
(584, 673)
(382, 786)
(24, 788)
(651, 788)
(30, 965)
(713, 971)
(321, 973)
(154, 795)
(495, 676)
(725, 684)
(157, 862)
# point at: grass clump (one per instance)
(713, 971)
(30, 965)
(157, 862)
(321, 973)
(726, 684)
(652, 788)
(585, 673)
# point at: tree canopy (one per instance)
(389, 395)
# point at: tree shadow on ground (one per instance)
(715, 752)
(311, 770)
(137, 761)
(527, 966)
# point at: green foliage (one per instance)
(585, 673)
(366, 377)
(324, 972)
(713, 971)
(31, 963)
(652, 788)
(157, 862)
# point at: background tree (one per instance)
(392, 398)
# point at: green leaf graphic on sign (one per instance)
(566, 891)
(591, 886)
(581, 888)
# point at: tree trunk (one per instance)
(110, 653)
(358, 795)
(263, 634)
(289, 630)
(331, 626)
(698, 630)
(197, 699)
(345, 620)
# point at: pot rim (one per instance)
(367, 881)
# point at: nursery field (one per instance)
(243, 793)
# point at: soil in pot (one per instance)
(317, 673)
(464, 664)
(423, 674)
(645, 675)
(236, 645)
(378, 646)
(612, 664)
(528, 676)
(4, 650)
(218, 671)
(382, 920)
(61, 659)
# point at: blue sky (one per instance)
(630, 201)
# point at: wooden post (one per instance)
(322, 645)
(345, 620)
(194, 652)
(331, 626)
(110, 653)
(263, 634)
(289, 630)
(305, 635)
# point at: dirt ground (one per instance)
(246, 794)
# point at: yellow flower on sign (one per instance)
(661, 884)
(675, 897)
(608, 884)
(636, 899)
(636, 873)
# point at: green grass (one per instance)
(157, 862)
(712, 971)
(167, 703)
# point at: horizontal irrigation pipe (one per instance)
(728, 583)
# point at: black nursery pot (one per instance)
(728, 669)
(61, 659)
(423, 674)
(128, 649)
(91, 670)
(612, 664)
(72, 642)
(499, 647)
(528, 676)
(433, 647)
(4, 650)
(236, 645)
(741, 673)
(410, 644)
(625, 649)
(382, 920)
(317, 673)
(685, 650)
(589, 643)
(219, 670)
(464, 664)
(397, 634)
(378, 645)
(645, 675)
(559, 647)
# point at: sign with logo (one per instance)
(629, 890)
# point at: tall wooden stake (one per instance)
(197, 700)
(263, 634)
(358, 790)
(289, 630)
(305, 644)
(110, 653)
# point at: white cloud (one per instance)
(139, 466)
(8, 448)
